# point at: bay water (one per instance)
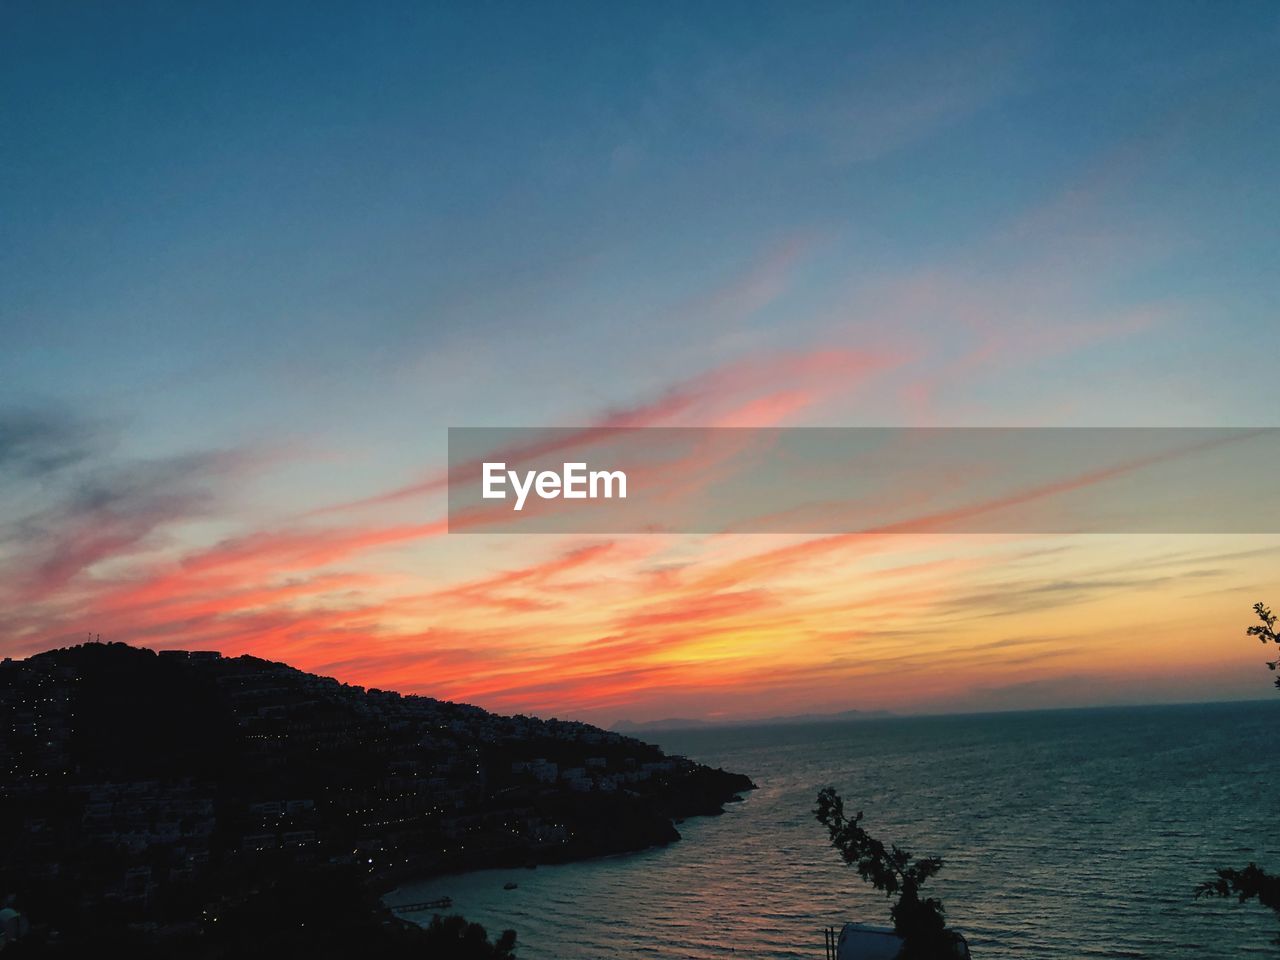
(1066, 834)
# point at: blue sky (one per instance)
(251, 196)
(323, 234)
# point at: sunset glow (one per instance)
(223, 415)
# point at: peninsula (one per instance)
(155, 794)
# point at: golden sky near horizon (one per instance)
(254, 271)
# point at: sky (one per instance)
(256, 259)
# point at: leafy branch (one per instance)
(890, 869)
(1266, 632)
(1251, 882)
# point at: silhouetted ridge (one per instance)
(153, 795)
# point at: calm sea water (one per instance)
(1074, 834)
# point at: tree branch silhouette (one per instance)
(1251, 882)
(890, 869)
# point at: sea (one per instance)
(1065, 834)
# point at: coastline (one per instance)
(942, 786)
(507, 881)
(629, 825)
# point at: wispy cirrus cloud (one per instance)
(756, 392)
(39, 442)
(73, 503)
(584, 626)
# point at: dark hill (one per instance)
(150, 797)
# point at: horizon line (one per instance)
(872, 714)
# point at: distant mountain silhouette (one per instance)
(683, 723)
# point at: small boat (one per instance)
(510, 885)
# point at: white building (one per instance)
(861, 941)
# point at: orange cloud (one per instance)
(640, 625)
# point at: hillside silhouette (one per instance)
(193, 803)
